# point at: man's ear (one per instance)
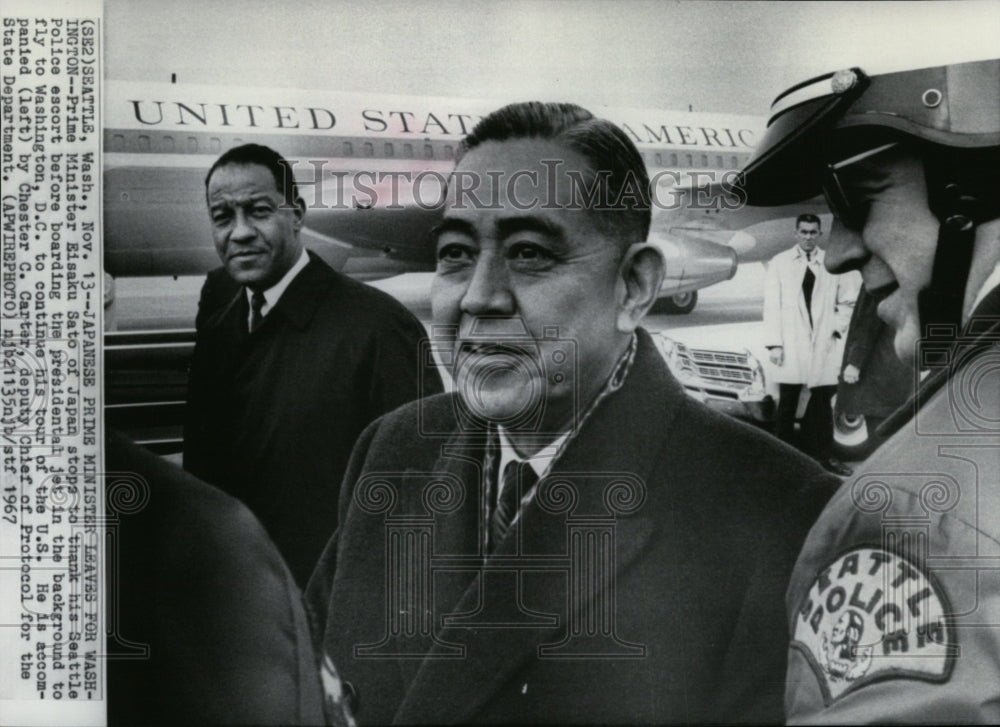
(640, 275)
(299, 211)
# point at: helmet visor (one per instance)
(789, 162)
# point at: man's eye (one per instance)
(528, 252)
(222, 217)
(261, 211)
(453, 253)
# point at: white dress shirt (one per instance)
(274, 293)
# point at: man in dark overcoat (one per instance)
(567, 537)
(292, 359)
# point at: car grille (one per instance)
(720, 368)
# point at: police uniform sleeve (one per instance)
(894, 615)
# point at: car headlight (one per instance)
(676, 356)
(758, 386)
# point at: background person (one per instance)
(806, 315)
(908, 162)
(292, 359)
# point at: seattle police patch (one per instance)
(873, 615)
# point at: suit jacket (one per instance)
(926, 504)
(194, 581)
(702, 516)
(272, 415)
(812, 352)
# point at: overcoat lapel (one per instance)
(606, 450)
(456, 533)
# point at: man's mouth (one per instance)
(246, 254)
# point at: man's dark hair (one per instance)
(624, 206)
(266, 157)
(809, 218)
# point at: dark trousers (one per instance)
(816, 436)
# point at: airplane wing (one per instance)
(715, 215)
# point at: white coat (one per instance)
(813, 353)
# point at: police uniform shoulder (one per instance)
(869, 613)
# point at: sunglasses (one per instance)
(851, 214)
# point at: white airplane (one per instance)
(371, 167)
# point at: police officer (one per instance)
(908, 552)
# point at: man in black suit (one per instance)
(567, 537)
(292, 360)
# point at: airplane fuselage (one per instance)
(370, 169)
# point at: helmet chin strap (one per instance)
(940, 303)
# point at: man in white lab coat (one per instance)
(806, 315)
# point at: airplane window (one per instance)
(143, 142)
(704, 160)
(369, 149)
(449, 153)
(348, 149)
(659, 159)
(428, 151)
(214, 144)
(408, 151)
(168, 143)
(735, 163)
(689, 159)
(389, 151)
(673, 160)
(192, 144)
(118, 142)
(718, 161)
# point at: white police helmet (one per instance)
(814, 122)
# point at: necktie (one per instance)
(257, 301)
(808, 280)
(510, 498)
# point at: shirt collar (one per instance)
(815, 257)
(542, 460)
(273, 294)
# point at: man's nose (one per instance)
(489, 290)
(242, 229)
(845, 251)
